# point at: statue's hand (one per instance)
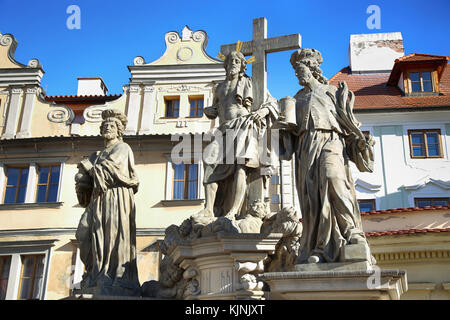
(260, 114)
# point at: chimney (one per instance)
(375, 52)
(91, 86)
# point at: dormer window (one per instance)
(418, 74)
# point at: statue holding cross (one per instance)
(246, 112)
(258, 48)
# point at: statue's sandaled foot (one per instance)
(314, 259)
(204, 213)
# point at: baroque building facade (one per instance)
(403, 101)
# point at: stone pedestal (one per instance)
(225, 267)
(336, 281)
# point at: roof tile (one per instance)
(371, 91)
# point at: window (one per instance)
(16, 185)
(429, 202)
(196, 106)
(31, 277)
(5, 264)
(185, 181)
(47, 186)
(172, 106)
(421, 81)
(366, 205)
(24, 268)
(425, 143)
(30, 183)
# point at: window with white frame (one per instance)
(366, 205)
(425, 143)
(183, 180)
(48, 183)
(430, 202)
(196, 106)
(23, 269)
(30, 182)
(16, 184)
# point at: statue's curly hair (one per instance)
(240, 56)
(312, 59)
(116, 116)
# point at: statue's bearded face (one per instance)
(110, 130)
(303, 74)
(234, 65)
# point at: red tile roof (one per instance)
(399, 210)
(408, 231)
(414, 57)
(371, 91)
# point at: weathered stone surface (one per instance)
(235, 164)
(105, 186)
(355, 252)
(203, 247)
(336, 285)
(336, 266)
(326, 136)
(220, 266)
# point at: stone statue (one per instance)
(325, 138)
(105, 185)
(287, 223)
(227, 172)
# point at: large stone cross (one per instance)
(259, 47)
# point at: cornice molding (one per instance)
(412, 255)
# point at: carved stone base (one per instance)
(336, 281)
(225, 267)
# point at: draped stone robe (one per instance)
(107, 229)
(244, 142)
(323, 145)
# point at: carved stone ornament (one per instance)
(16, 90)
(185, 53)
(134, 88)
(5, 40)
(149, 88)
(94, 113)
(32, 90)
(34, 63)
(186, 34)
(172, 37)
(199, 36)
(60, 113)
(178, 281)
(138, 61)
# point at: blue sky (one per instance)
(112, 34)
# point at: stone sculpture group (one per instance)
(317, 128)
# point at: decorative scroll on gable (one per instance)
(187, 48)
